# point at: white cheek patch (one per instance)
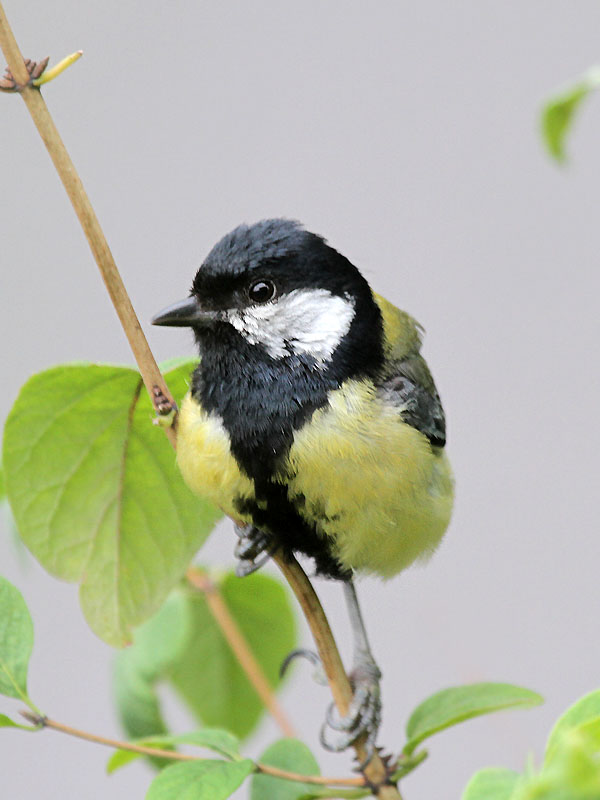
(305, 321)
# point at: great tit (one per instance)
(312, 420)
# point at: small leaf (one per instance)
(2, 487)
(293, 756)
(586, 709)
(16, 642)
(7, 722)
(493, 783)
(559, 112)
(214, 739)
(120, 758)
(96, 494)
(208, 676)
(200, 780)
(457, 704)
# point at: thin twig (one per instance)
(237, 641)
(45, 722)
(338, 681)
(85, 213)
(321, 631)
(319, 780)
(329, 654)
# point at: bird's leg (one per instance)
(254, 548)
(364, 714)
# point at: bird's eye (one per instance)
(261, 291)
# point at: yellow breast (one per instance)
(383, 495)
(205, 460)
(371, 483)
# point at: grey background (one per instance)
(407, 134)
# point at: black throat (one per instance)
(262, 400)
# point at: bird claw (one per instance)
(253, 549)
(319, 673)
(363, 717)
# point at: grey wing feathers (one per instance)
(410, 387)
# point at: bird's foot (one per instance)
(253, 549)
(310, 655)
(363, 717)
(364, 714)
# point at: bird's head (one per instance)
(285, 291)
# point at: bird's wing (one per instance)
(410, 387)
(407, 382)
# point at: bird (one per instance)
(313, 422)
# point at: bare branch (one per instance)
(45, 722)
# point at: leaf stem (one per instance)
(200, 581)
(40, 722)
(407, 764)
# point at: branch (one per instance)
(375, 772)
(85, 213)
(45, 722)
(236, 640)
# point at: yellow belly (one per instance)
(205, 460)
(384, 496)
(371, 483)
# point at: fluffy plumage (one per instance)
(312, 414)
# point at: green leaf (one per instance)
(16, 642)
(120, 758)
(7, 722)
(219, 741)
(457, 704)
(588, 735)
(2, 486)
(559, 112)
(208, 676)
(96, 494)
(188, 364)
(572, 772)
(586, 709)
(162, 638)
(293, 756)
(157, 644)
(183, 645)
(136, 699)
(493, 783)
(200, 780)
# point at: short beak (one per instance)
(185, 314)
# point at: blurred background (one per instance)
(407, 134)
